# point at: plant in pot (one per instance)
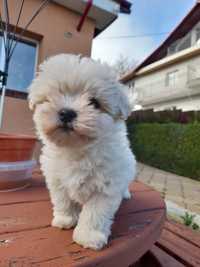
(16, 151)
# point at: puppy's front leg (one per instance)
(95, 221)
(65, 211)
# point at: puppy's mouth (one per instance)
(70, 130)
(67, 127)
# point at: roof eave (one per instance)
(103, 12)
(163, 63)
(149, 59)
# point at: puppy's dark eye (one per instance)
(93, 101)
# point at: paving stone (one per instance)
(192, 195)
(191, 188)
(175, 188)
(183, 191)
(153, 182)
(140, 166)
(173, 176)
(190, 181)
(176, 199)
(192, 201)
(158, 182)
(145, 175)
(159, 175)
(158, 188)
(143, 180)
(194, 208)
(174, 192)
(173, 184)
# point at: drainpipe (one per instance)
(85, 13)
(125, 7)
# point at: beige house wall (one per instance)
(50, 26)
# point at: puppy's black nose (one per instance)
(67, 115)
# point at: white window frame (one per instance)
(197, 40)
(182, 40)
(194, 33)
(175, 78)
(193, 38)
(26, 40)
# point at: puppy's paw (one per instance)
(64, 221)
(89, 238)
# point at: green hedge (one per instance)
(173, 147)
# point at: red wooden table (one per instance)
(27, 239)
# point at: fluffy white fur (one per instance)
(88, 168)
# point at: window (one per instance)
(186, 43)
(198, 35)
(0, 45)
(180, 44)
(171, 78)
(172, 49)
(131, 84)
(22, 65)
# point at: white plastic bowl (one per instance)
(15, 175)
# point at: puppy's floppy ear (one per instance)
(114, 99)
(33, 101)
(36, 93)
(123, 109)
(31, 104)
(31, 98)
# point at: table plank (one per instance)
(138, 187)
(184, 232)
(27, 238)
(54, 245)
(37, 192)
(30, 215)
(178, 247)
(19, 217)
(30, 194)
(142, 201)
(165, 259)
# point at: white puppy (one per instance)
(79, 112)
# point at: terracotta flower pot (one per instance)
(16, 161)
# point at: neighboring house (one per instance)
(60, 28)
(170, 76)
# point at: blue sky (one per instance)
(147, 17)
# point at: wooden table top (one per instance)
(27, 238)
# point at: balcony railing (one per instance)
(186, 84)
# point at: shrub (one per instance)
(173, 147)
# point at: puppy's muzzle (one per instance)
(66, 117)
